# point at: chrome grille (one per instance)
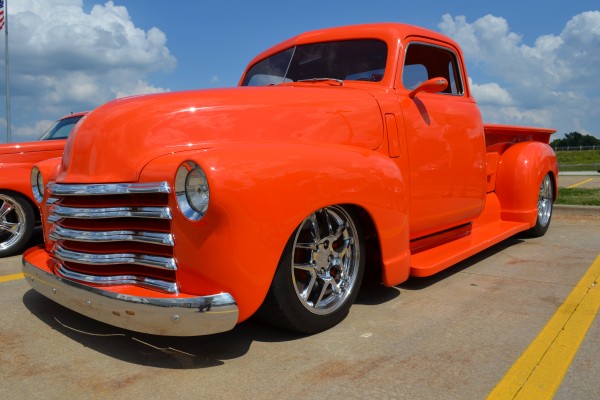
(113, 234)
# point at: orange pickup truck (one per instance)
(342, 150)
(18, 208)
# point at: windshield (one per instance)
(61, 128)
(356, 60)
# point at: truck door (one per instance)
(445, 140)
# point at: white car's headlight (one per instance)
(37, 184)
(191, 189)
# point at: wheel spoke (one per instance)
(328, 222)
(5, 208)
(316, 232)
(343, 250)
(322, 294)
(9, 227)
(307, 246)
(311, 284)
(335, 287)
(305, 267)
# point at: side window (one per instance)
(425, 61)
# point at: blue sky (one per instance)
(531, 62)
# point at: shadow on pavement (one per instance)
(150, 350)
(212, 350)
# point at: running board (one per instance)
(434, 260)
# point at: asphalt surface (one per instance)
(583, 180)
(451, 336)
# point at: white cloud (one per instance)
(33, 131)
(63, 59)
(553, 81)
(490, 94)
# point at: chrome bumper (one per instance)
(192, 316)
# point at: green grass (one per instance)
(579, 197)
(585, 160)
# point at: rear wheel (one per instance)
(319, 273)
(16, 223)
(545, 205)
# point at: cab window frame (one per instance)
(453, 71)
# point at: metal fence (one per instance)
(576, 148)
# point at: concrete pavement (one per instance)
(451, 336)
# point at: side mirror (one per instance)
(433, 85)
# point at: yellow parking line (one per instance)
(12, 277)
(538, 373)
(580, 183)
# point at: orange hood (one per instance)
(118, 139)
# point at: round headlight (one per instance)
(191, 189)
(37, 184)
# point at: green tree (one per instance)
(575, 139)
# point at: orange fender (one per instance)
(520, 172)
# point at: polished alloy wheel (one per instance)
(325, 260)
(545, 200)
(12, 222)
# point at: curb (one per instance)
(591, 212)
(578, 173)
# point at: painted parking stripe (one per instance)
(12, 277)
(580, 183)
(538, 373)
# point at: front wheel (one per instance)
(319, 273)
(545, 205)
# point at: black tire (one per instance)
(545, 207)
(17, 220)
(319, 273)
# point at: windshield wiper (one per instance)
(339, 81)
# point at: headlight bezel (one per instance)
(37, 184)
(192, 190)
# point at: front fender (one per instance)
(520, 172)
(17, 178)
(260, 193)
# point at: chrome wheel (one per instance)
(325, 260)
(319, 273)
(545, 201)
(544, 207)
(16, 223)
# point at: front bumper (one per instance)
(170, 316)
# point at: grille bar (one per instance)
(57, 212)
(108, 189)
(60, 233)
(169, 287)
(113, 234)
(165, 263)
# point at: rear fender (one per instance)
(520, 172)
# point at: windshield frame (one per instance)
(56, 131)
(333, 60)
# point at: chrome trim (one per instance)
(58, 212)
(36, 189)
(63, 254)
(13, 223)
(172, 316)
(60, 189)
(169, 287)
(60, 233)
(448, 49)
